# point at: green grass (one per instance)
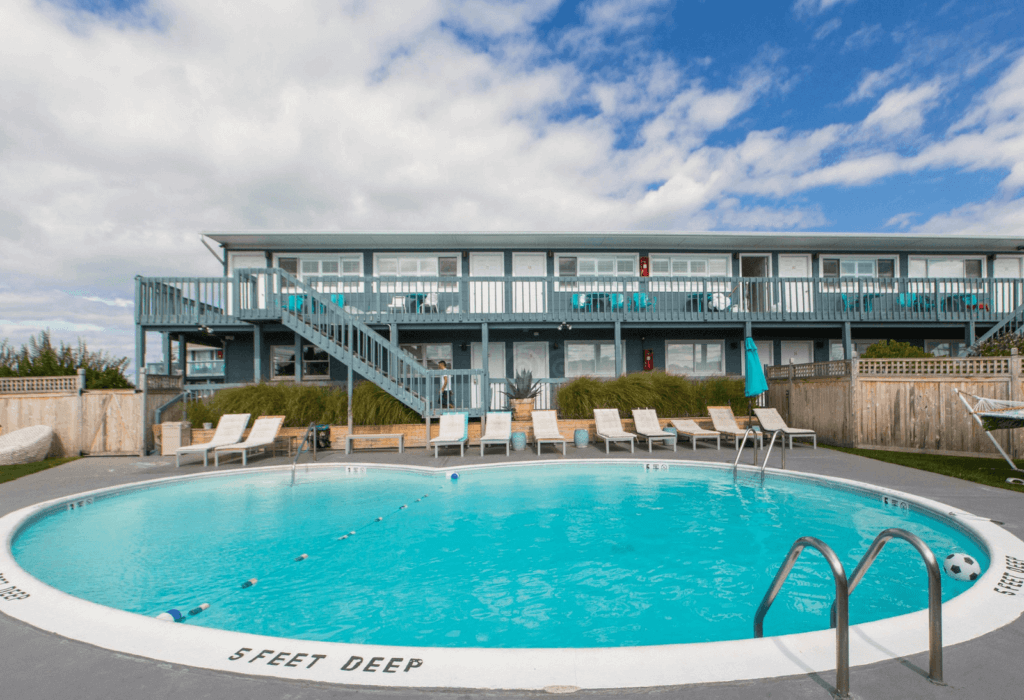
(991, 472)
(15, 471)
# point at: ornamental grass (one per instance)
(670, 395)
(302, 405)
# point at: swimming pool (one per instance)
(591, 558)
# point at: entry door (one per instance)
(487, 296)
(756, 295)
(800, 351)
(528, 297)
(797, 285)
(534, 358)
(495, 367)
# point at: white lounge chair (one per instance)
(609, 428)
(26, 445)
(724, 421)
(453, 430)
(264, 432)
(229, 431)
(771, 421)
(545, 429)
(689, 428)
(499, 431)
(649, 427)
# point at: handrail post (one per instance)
(934, 591)
(842, 605)
(739, 452)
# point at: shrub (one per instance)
(669, 395)
(1000, 345)
(40, 359)
(894, 348)
(371, 405)
(302, 405)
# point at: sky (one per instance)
(127, 127)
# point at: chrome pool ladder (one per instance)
(743, 443)
(934, 591)
(840, 613)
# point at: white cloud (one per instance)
(815, 7)
(875, 81)
(827, 28)
(903, 109)
(979, 218)
(863, 38)
(901, 221)
(121, 141)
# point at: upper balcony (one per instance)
(256, 294)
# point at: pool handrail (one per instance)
(842, 605)
(934, 591)
(768, 453)
(743, 443)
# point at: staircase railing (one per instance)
(272, 294)
(1013, 323)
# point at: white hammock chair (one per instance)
(995, 414)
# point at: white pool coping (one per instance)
(995, 600)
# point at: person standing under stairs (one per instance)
(446, 386)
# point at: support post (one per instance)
(349, 389)
(257, 353)
(298, 358)
(166, 340)
(847, 341)
(394, 333)
(140, 351)
(182, 352)
(1015, 394)
(145, 397)
(970, 333)
(618, 348)
(485, 390)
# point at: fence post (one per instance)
(854, 399)
(789, 392)
(145, 395)
(1014, 396)
(81, 410)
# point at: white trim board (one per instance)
(991, 603)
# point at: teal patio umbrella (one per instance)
(756, 383)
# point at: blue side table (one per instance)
(518, 441)
(671, 429)
(581, 438)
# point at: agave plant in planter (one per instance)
(521, 393)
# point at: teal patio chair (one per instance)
(642, 302)
(580, 302)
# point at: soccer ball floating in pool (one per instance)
(962, 567)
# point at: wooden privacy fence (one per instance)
(898, 404)
(97, 422)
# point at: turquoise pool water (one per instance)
(534, 556)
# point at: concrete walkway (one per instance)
(37, 665)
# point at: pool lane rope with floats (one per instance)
(175, 615)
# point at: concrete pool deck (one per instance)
(38, 664)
